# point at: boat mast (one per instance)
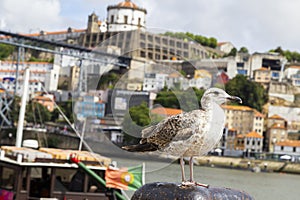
(23, 107)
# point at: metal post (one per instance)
(23, 107)
(82, 135)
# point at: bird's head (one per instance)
(218, 96)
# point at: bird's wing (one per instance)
(176, 127)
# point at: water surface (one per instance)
(261, 186)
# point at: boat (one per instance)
(47, 173)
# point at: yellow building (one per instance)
(262, 76)
(251, 142)
(243, 119)
(276, 133)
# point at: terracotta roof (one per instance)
(232, 129)
(278, 126)
(127, 4)
(54, 32)
(240, 136)
(290, 143)
(258, 114)
(222, 43)
(254, 134)
(42, 98)
(15, 62)
(276, 117)
(262, 69)
(166, 111)
(240, 108)
(174, 75)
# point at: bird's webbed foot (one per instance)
(193, 183)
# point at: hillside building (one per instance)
(43, 76)
(243, 119)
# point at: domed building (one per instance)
(126, 16)
(125, 28)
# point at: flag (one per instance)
(6, 195)
(130, 178)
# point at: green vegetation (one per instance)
(252, 94)
(134, 121)
(6, 50)
(67, 108)
(290, 56)
(108, 80)
(234, 51)
(34, 59)
(186, 100)
(205, 41)
(243, 50)
(35, 112)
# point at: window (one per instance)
(139, 21)
(39, 182)
(125, 19)
(7, 178)
(112, 19)
(69, 180)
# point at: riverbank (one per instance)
(248, 164)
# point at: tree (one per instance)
(107, 80)
(186, 100)
(253, 94)
(35, 112)
(134, 121)
(289, 55)
(232, 52)
(279, 50)
(243, 50)
(6, 50)
(210, 42)
(67, 108)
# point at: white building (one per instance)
(154, 82)
(258, 122)
(253, 142)
(126, 16)
(204, 82)
(290, 147)
(42, 75)
(292, 73)
(225, 46)
(272, 61)
(291, 70)
(295, 79)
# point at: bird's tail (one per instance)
(140, 147)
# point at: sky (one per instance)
(259, 25)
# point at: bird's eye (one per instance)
(216, 93)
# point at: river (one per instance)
(261, 186)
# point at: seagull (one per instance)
(188, 134)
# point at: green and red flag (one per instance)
(130, 178)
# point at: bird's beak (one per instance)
(235, 99)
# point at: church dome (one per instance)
(127, 4)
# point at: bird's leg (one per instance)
(190, 182)
(182, 169)
(192, 174)
(191, 163)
